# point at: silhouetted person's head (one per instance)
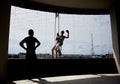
(57, 34)
(62, 32)
(31, 32)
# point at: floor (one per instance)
(74, 79)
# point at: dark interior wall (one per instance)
(20, 69)
(114, 16)
(4, 32)
(117, 8)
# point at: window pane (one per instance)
(90, 35)
(24, 19)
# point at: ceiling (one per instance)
(67, 6)
(87, 4)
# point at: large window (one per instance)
(90, 35)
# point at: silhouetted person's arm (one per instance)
(38, 43)
(67, 34)
(22, 44)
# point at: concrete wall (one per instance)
(4, 32)
(115, 17)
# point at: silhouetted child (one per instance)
(60, 40)
(31, 44)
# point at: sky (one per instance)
(43, 23)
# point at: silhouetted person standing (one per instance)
(60, 40)
(31, 44)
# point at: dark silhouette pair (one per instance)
(32, 43)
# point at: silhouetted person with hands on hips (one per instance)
(31, 44)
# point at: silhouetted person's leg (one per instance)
(53, 52)
(59, 52)
(56, 49)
